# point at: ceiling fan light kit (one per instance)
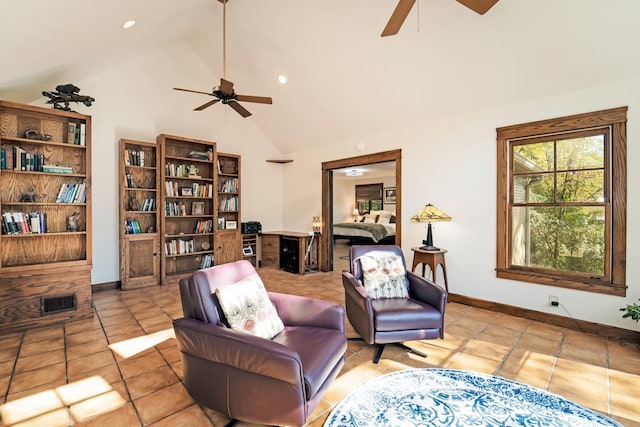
(224, 92)
(403, 8)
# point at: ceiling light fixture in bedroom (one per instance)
(355, 172)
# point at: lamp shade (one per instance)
(430, 213)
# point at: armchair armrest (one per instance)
(295, 310)
(356, 292)
(239, 350)
(427, 291)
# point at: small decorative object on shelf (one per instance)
(73, 224)
(64, 94)
(316, 224)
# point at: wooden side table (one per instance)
(432, 259)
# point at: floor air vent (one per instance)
(53, 305)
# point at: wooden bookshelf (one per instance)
(228, 241)
(188, 182)
(139, 223)
(45, 267)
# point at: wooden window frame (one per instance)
(368, 193)
(616, 121)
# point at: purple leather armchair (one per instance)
(393, 320)
(252, 379)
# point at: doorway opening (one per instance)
(328, 179)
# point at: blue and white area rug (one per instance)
(449, 397)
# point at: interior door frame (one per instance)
(326, 249)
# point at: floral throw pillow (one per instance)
(248, 309)
(384, 276)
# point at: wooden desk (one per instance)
(272, 247)
(432, 259)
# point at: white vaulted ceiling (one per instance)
(344, 80)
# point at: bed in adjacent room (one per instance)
(377, 227)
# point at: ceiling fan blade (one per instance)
(194, 91)
(206, 105)
(239, 109)
(258, 99)
(397, 18)
(479, 6)
(226, 86)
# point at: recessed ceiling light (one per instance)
(282, 78)
(130, 23)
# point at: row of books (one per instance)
(179, 246)
(228, 203)
(24, 223)
(206, 262)
(132, 227)
(148, 205)
(175, 209)
(77, 133)
(180, 170)
(134, 157)
(203, 226)
(195, 190)
(17, 158)
(228, 186)
(72, 193)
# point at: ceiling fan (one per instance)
(404, 7)
(225, 92)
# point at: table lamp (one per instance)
(430, 214)
(355, 214)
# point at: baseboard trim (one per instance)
(605, 331)
(107, 286)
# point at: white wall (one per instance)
(136, 101)
(451, 162)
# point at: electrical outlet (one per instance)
(553, 301)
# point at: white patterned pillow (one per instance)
(384, 276)
(247, 307)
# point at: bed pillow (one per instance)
(370, 218)
(384, 276)
(384, 219)
(248, 309)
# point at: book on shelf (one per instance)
(71, 133)
(83, 134)
(72, 193)
(179, 247)
(24, 223)
(132, 227)
(57, 169)
(133, 157)
(206, 262)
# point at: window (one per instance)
(369, 198)
(562, 202)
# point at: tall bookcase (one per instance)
(45, 245)
(139, 223)
(188, 181)
(228, 246)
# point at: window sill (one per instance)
(563, 282)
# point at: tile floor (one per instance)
(122, 367)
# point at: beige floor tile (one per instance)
(39, 360)
(138, 365)
(191, 416)
(150, 381)
(123, 416)
(580, 382)
(37, 377)
(162, 403)
(79, 366)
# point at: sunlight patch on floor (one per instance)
(84, 398)
(133, 346)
